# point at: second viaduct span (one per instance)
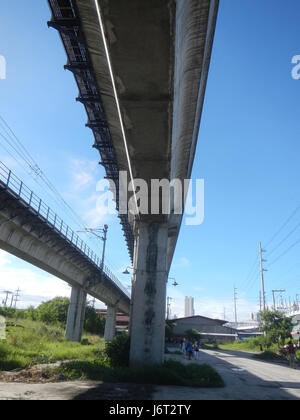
(141, 67)
(30, 230)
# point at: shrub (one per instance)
(193, 334)
(94, 323)
(170, 373)
(118, 350)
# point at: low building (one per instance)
(211, 330)
(122, 321)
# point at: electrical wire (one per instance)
(284, 225)
(284, 239)
(17, 151)
(285, 252)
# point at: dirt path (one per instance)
(245, 379)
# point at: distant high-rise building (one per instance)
(189, 306)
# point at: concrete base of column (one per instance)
(76, 315)
(149, 295)
(110, 323)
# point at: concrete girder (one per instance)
(16, 238)
(161, 67)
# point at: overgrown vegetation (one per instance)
(55, 312)
(277, 330)
(117, 351)
(170, 373)
(193, 334)
(32, 342)
(169, 334)
(277, 327)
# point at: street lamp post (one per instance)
(101, 234)
(175, 282)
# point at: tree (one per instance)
(169, 334)
(30, 313)
(277, 326)
(54, 311)
(193, 334)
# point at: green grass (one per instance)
(170, 373)
(270, 353)
(250, 345)
(29, 343)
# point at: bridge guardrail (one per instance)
(36, 204)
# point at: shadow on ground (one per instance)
(117, 392)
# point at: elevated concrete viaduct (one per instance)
(141, 67)
(31, 231)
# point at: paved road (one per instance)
(245, 378)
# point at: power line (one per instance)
(284, 225)
(284, 239)
(23, 158)
(251, 273)
(285, 252)
(18, 152)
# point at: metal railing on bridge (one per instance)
(20, 191)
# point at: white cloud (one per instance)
(35, 286)
(83, 173)
(82, 192)
(182, 262)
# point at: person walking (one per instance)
(291, 353)
(183, 347)
(189, 349)
(196, 350)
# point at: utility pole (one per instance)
(12, 300)
(7, 292)
(97, 232)
(260, 307)
(262, 276)
(17, 297)
(104, 238)
(235, 305)
(273, 293)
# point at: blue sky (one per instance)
(248, 152)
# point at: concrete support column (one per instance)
(110, 323)
(76, 314)
(148, 312)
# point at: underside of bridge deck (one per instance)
(150, 62)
